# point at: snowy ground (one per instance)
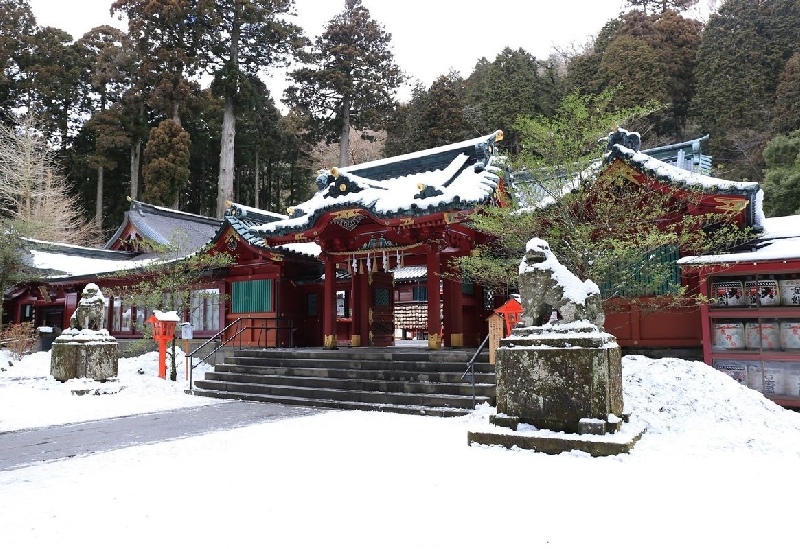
(718, 467)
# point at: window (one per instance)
(26, 313)
(252, 296)
(204, 311)
(312, 307)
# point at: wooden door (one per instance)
(381, 310)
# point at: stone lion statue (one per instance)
(546, 287)
(90, 313)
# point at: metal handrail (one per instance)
(222, 342)
(471, 368)
(215, 337)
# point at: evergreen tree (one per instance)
(662, 6)
(787, 97)
(167, 36)
(108, 66)
(515, 84)
(203, 122)
(648, 57)
(782, 176)
(434, 117)
(744, 51)
(247, 36)
(48, 87)
(166, 167)
(349, 78)
(17, 24)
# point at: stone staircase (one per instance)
(400, 379)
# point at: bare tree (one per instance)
(34, 194)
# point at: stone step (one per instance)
(456, 387)
(370, 354)
(356, 364)
(354, 373)
(432, 400)
(336, 404)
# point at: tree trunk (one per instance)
(136, 159)
(225, 185)
(227, 141)
(344, 139)
(270, 175)
(98, 209)
(257, 184)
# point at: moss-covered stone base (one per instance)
(556, 443)
(552, 380)
(77, 354)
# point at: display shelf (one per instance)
(751, 331)
(763, 312)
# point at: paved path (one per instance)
(21, 448)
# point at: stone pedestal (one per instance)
(84, 353)
(554, 376)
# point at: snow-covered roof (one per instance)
(165, 227)
(410, 273)
(57, 260)
(454, 177)
(780, 240)
(620, 143)
(243, 218)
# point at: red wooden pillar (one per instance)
(705, 321)
(434, 299)
(453, 314)
(360, 320)
(329, 304)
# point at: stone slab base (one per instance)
(550, 442)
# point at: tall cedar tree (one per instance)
(167, 37)
(609, 229)
(166, 167)
(17, 24)
(244, 38)
(107, 71)
(349, 78)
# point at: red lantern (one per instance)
(511, 311)
(163, 331)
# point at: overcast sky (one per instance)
(429, 37)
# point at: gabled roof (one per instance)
(454, 177)
(680, 178)
(165, 226)
(54, 261)
(241, 219)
